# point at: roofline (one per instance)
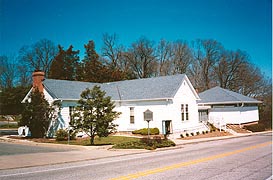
(190, 85)
(50, 92)
(27, 95)
(192, 88)
(230, 102)
(153, 99)
(130, 100)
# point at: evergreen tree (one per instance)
(95, 114)
(65, 64)
(36, 114)
(10, 100)
(92, 69)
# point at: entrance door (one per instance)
(167, 127)
(203, 115)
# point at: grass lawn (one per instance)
(110, 140)
(118, 142)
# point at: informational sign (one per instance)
(148, 115)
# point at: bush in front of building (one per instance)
(62, 135)
(144, 131)
(145, 143)
(255, 127)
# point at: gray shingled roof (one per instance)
(138, 89)
(218, 95)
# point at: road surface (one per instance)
(247, 158)
(16, 149)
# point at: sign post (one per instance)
(148, 116)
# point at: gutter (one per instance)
(131, 100)
(154, 99)
(229, 102)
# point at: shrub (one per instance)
(62, 134)
(145, 140)
(144, 131)
(207, 132)
(165, 143)
(157, 139)
(212, 127)
(145, 143)
(181, 135)
(187, 134)
(192, 134)
(203, 132)
(130, 145)
(256, 127)
(197, 133)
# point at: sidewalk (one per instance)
(81, 153)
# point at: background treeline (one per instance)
(206, 62)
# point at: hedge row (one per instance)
(145, 143)
(144, 131)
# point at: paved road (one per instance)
(234, 159)
(15, 149)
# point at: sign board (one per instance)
(148, 115)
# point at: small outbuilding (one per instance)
(221, 106)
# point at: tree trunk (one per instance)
(92, 140)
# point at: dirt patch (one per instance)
(208, 135)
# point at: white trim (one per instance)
(27, 96)
(131, 100)
(203, 107)
(230, 102)
(191, 87)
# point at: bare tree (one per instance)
(164, 56)
(7, 72)
(227, 70)
(40, 55)
(141, 57)
(207, 53)
(251, 81)
(24, 75)
(182, 57)
(111, 49)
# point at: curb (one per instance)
(194, 141)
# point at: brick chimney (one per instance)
(37, 79)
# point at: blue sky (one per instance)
(237, 24)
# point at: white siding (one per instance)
(184, 96)
(159, 109)
(65, 116)
(48, 97)
(167, 109)
(235, 115)
(162, 110)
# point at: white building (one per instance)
(172, 99)
(177, 108)
(221, 106)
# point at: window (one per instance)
(184, 112)
(132, 115)
(187, 112)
